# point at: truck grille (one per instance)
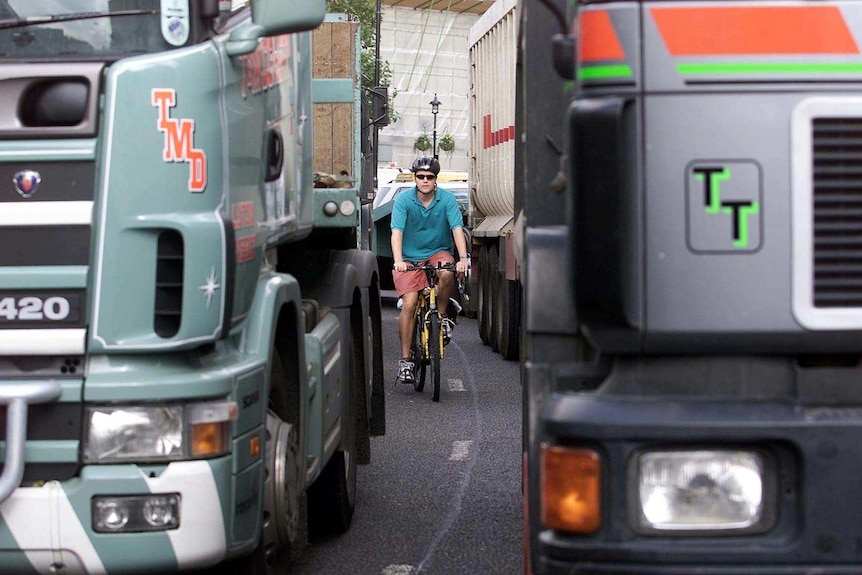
(837, 211)
(49, 423)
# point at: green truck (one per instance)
(190, 340)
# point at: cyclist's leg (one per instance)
(407, 321)
(407, 285)
(445, 280)
(445, 289)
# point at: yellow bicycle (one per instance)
(426, 349)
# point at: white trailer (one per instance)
(496, 277)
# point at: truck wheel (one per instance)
(494, 305)
(378, 395)
(333, 495)
(285, 521)
(484, 305)
(509, 318)
(284, 527)
(362, 387)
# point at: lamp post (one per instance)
(435, 105)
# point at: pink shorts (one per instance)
(408, 282)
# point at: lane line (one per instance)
(456, 385)
(397, 570)
(460, 450)
(458, 496)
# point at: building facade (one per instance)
(428, 54)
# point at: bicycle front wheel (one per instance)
(435, 352)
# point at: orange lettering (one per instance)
(179, 140)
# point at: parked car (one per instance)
(390, 191)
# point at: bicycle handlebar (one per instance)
(449, 266)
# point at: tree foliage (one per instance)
(365, 12)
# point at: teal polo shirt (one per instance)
(426, 231)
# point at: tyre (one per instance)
(435, 352)
(378, 395)
(333, 496)
(362, 350)
(419, 378)
(494, 304)
(483, 305)
(509, 319)
(418, 358)
(284, 528)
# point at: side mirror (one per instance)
(380, 106)
(283, 17)
(273, 18)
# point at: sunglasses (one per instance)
(426, 177)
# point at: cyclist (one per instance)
(425, 220)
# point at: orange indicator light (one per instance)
(571, 489)
(209, 438)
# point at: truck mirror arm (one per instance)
(563, 54)
(244, 40)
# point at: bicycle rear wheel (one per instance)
(418, 357)
(435, 352)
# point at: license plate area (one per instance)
(41, 309)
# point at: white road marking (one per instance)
(460, 450)
(398, 570)
(456, 385)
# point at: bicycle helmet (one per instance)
(426, 163)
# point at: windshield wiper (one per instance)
(37, 20)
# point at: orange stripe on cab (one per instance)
(762, 30)
(597, 39)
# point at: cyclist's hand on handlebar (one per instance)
(400, 266)
(462, 266)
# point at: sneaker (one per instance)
(405, 371)
(448, 328)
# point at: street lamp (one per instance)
(435, 105)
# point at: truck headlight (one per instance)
(704, 490)
(157, 433)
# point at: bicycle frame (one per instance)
(428, 326)
(425, 307)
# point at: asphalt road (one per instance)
(442, 494)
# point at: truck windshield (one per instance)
(75, 29)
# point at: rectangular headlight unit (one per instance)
(693, 492)
(157, 433)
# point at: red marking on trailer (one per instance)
(755, 30)
(491, 138)
(242, 215)
(245, 249)
(180, 139)
(597, 38)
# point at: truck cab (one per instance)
(189, 336)
(692, 398)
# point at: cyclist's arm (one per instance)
(398, 223)
(456, 224)
(396, 241)
(461, 244)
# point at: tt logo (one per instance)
(724, 206)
